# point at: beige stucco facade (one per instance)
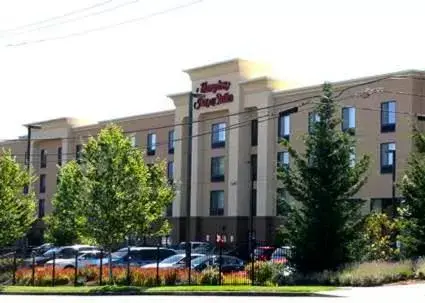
(245, 92)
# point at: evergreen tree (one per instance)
(412, 211)
(322, 217)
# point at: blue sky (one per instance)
(129, 69)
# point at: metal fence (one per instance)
(137, 266)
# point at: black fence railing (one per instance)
(140, 266)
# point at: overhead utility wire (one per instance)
(244, 111)
(57, 17)
(101, 28)
(80, 18)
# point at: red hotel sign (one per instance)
(216, 98)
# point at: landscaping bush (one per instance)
(265, 271)
(237, 278)
(420, 269)
(210, 276)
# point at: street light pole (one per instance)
(29, 134)
(393, 152)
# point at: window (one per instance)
(217, 169)
(349, 119)
(78, 151)
(60, 156)
(254, 132)
(254, 202)
(280, 202)
(42, 184)
(169, 211)
(26, 160)
(132, 138)
(41, 203)
(387, 157)
(217, 203)
(151, 144)
(388, 118)
(284, 125)
(43, 158)
(171, 142)
(218, 135)
(283, 159)
(312, 119)
(253, 167)
(170, 171)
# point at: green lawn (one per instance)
(162, 289)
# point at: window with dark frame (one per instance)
(280, 202)
(388, 116)
(217, 203)
(313, 118)
(171, 142)
(78, 152)
(42, 187)
(349, 119)
(284, 125)
(217, 169)
(43, 158)
(254, 132)
(218, 135)
(151, 144)
(60, 155)
(41, 204)
(387, 157)
(169, 211)
(283, 159)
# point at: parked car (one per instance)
(65, 252)
(281, 254)
(176, 261)
(85, 258)
(228, 263)
(196, 247)
(138, 256)
(39, 250)
(263, 253)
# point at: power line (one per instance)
(80, 18)
(58, 17)
(101, 28)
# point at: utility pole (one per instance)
(28, 157)
(393, 198)
(188, 182)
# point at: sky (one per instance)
(77, 71)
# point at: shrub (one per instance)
(420, 269)
(210, 276)
(264, 271)
(237, 278)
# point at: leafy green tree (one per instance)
(322, 217)
(17, 210)
(412, 234)
(120, 196)
(65, 224)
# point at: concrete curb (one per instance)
(181, 293)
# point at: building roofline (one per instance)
(211, 65)
(352, 81)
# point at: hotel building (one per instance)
(239, 117)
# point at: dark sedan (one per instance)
(228, 263)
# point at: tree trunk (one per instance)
(110, 265)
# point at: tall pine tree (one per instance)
(321, 215)
(413, 209)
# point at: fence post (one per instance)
(252, 253)
(76, 269)
(101, 267)
(14, 268)
(157, 264)
(53, 271)
(220, 261)
(128, 264)
(33, 270)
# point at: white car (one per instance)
(85, 258)
(176, 261)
